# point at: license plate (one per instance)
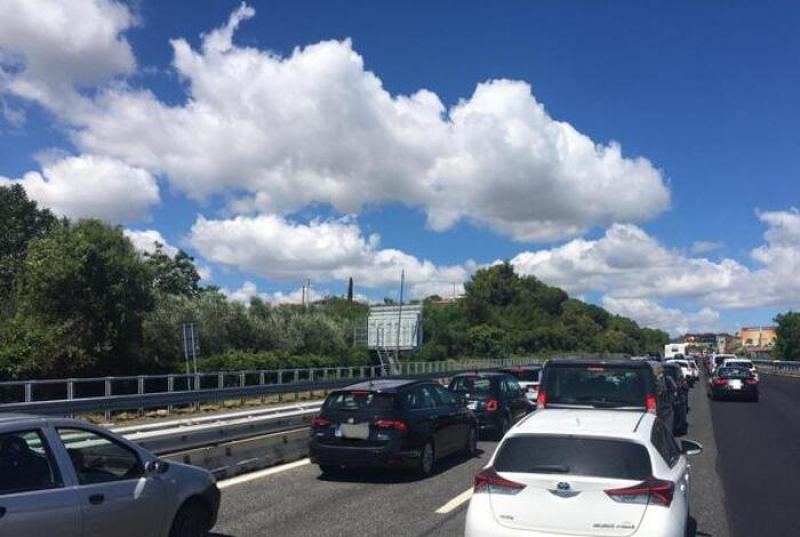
(736, 384)
(357, 431)
(472, 405)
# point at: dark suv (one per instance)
(497, 399)
(609, 384)
(391, 423)
(680, 402)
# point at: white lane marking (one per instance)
(455, 503)
(238, 480)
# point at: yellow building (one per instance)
(760, 338)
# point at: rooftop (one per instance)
(588, 422)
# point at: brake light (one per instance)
(397, 425)
(751, 382)
(491, 405)
(541, 399)
(319, 421)
(651, 490)
(489, 481)
(650, 403)
(720, 382)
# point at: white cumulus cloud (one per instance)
(282, 133)
(273, 247)
(145, 241)
(49, 49)
(673, 320)
(90, 186)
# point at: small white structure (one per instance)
(384, 323)
(673, 349)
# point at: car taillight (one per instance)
(651, 490)
(719, 382)
(489, 481)
(397, 425)
(650, 403)
(319, 421)
(491, 405)
(751, 382)
(541, 399)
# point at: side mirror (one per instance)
(690, 448)
(157, 467)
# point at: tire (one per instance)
(192, 520)
(427, 460)
(472, 443)
(503, 428)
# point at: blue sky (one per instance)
(326, 155)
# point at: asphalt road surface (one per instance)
(759, 459)
(744, 483)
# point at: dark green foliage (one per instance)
(173, 275)
(21, 221)
(350, 290)
(81, 294)
(787, 347)
(504, 313)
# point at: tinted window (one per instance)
(359, 400)
(421, 398)
(471, 385)
(445, 396)
(597, 385)
(99, 459)
(513, 385)
(589, 457)
(734, 373)
(665, 444)
(26, 463)
(525, 375)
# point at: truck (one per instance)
(672, 350)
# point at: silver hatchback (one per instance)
(68, 478)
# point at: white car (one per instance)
(686, 368)
(569, 473)
(718, 359)
(694, 367)
(741, 362)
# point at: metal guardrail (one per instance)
(303, 380)
(779, 366)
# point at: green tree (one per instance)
(787, 346)
(173, 275)
(21, 221)
(350, 290)
(85, 290)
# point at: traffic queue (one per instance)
(586, 446)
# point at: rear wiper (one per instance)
(549, 469)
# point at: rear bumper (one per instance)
(362, 457)
(722, 393)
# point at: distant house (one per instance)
(758, 340)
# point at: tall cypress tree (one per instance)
(350, 290)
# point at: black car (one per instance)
(733, 383)
(496, 398)
(675, 377)
(391, 423)
(609, 384)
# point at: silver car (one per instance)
(68, 478)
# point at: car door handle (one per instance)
(2, 512)
(96, 499)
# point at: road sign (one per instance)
(383, 325)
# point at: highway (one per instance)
(743, 484)
(759, 459)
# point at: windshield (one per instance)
(734, 373)
(359, 400)
(479, 385)
(589, 457)
(597, 385)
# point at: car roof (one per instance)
(523, 368)
(621, 362)
(482, 374)
(383, 385)
(605, 423)
(14, 417)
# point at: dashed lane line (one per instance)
(238, 480)
(455, 503)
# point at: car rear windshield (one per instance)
(682, 363)
(359, 400)
(471, 384)
(734, 373)
(570, 455)
(602, 386)
(525, 375)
